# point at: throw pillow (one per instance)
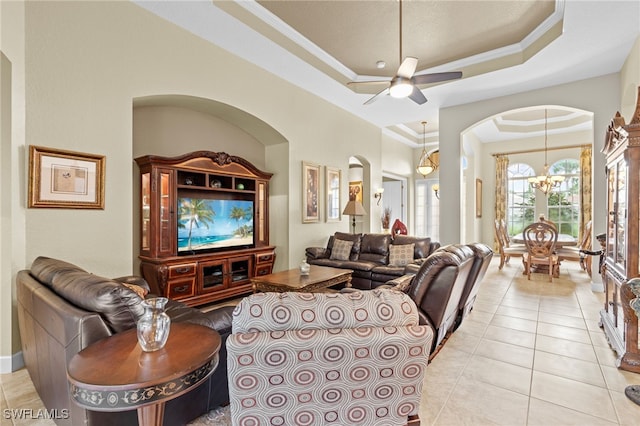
(400, 255)
(142, 292)
(341, 250)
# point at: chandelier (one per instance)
(425, 164)
(545, 182)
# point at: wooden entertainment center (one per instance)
(179, 193)
(622, 250)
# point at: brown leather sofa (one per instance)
(63, 309)
(436, 287)
(369, 256)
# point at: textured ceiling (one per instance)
(502, 47)
(360, 33)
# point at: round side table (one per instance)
(115, 374)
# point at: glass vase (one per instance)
(154, 325)
(304, 267)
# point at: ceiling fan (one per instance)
(404, 83)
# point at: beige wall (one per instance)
(630, 82)
(83, 79)
(12, 182)
(76, 69)
(598, 95)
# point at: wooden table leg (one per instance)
(151, 415)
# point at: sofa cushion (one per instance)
(119, 306)
(341, 250)
(375, 248)
(45, 269)
(422, 246)
(140, 291)
(356, 238)
(400, 255)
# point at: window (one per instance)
(427, 210)
(521, 200)
(334, 195)
(563, 205)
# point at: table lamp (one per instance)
(354, 208)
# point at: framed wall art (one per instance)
(65, 179)
(478, 198)
(333, 185)
(355, 191)
(310, 192)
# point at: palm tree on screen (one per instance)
(238, 214)
(196, 212)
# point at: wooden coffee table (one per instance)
(319, 279)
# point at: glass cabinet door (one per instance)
(165, 231)
(621, 214)
(145, 202)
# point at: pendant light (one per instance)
(425, 164)
(545, 182)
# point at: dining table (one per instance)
(564, 240)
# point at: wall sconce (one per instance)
(436, 189)
(378, 195)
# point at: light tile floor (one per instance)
(530, 353)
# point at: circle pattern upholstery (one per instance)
(326, 358)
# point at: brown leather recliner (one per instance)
(482, 255)
(482, 258)
(62, 309)
(437, 288)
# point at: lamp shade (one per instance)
(354, 208)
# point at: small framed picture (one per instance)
(333, 185)
(65, 179)
(310, 192)
(355, 190)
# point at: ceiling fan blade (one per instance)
(374, 97)
(349, 83)
(417, 96)
(436, 77)
(407, 67)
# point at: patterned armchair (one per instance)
(355, 358)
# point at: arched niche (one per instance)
(520, 134)
(171, 125)
(360, 174)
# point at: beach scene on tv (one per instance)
(205, 224)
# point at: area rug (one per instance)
(221, 416)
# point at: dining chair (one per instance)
(540, 240)
(506, 250)
(576, 253)
(542, 219)
(507, 238)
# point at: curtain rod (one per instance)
(528, 151)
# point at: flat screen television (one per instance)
(213, 224)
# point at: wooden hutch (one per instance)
(619, 320)
(202, 273)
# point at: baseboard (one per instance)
(9, 364)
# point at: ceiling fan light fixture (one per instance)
(545, 182)
(400, 87)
